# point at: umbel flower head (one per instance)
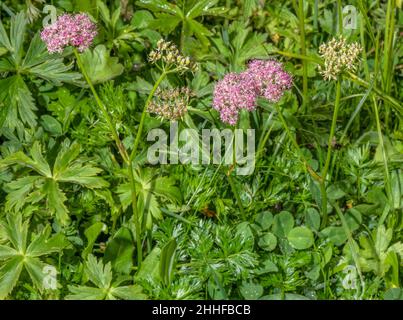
(170, 104)
(75, 30)
(232, 93)
(168, 53)
(338, 56)
(270, 78)
(236, 91)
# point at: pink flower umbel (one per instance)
(232, 93)
(236, 91)
(75, 30)
(271, 79)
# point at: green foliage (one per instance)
(22, 251)
(101, 276)
(20, 66)
(74, 198)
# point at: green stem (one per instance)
(236, 194)
(387, 60)
(388, 186)
(143, 114)
(301, 18)
(119, 144)
(340, 17)
(136, 214)
(123, 153)
(329, 153)
(291, 137)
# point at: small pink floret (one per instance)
(75, 30)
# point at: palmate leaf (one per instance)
(9, 274)
(68, 168)
(149, 189)
(16, 101)
(17, 254)
(17, 35)
(101, 276)
(19, 103)
(19, 191)
(160, 6)
(169, 16)
(56, 199)
(244, 45)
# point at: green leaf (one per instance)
(393, 294)
(287, 296)
(19, 191)
(92, 233)
(268, 242)
(85, 293)
(167, 262)
(4, 40)
(16, 231)
(301, 238)
(7, 252)
(334, 192)
(68, 168)
(335, 234)
(43, 245)
(100, 66)
(17, 35)
(20, 103)
(56, 199)
(119, 251)
(129, 293)
(51, 125)
(251, 291)
(283, 223)
(35, 268)
(141, 19)
(150, 267)
(264, 220)
(98, 273)
(165, 23)
(3, 51)
(268, 266)
(312, 218)
(9, 274)
(158, 6)
(353, 219)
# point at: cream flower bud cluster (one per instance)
(168, 53)
(338, 56)
(171, 104)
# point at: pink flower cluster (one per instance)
(236, 91)
(69, 30)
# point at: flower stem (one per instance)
(329, 153)
(143, 115)
(388, 186)
(123, 153)
(302, 40)
(136, 214)
(235, 192)
(291, 137)
(119, 144)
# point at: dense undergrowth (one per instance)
(84, 215)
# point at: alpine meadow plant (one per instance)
(97, 96)
(75, 30)
(263, 78)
